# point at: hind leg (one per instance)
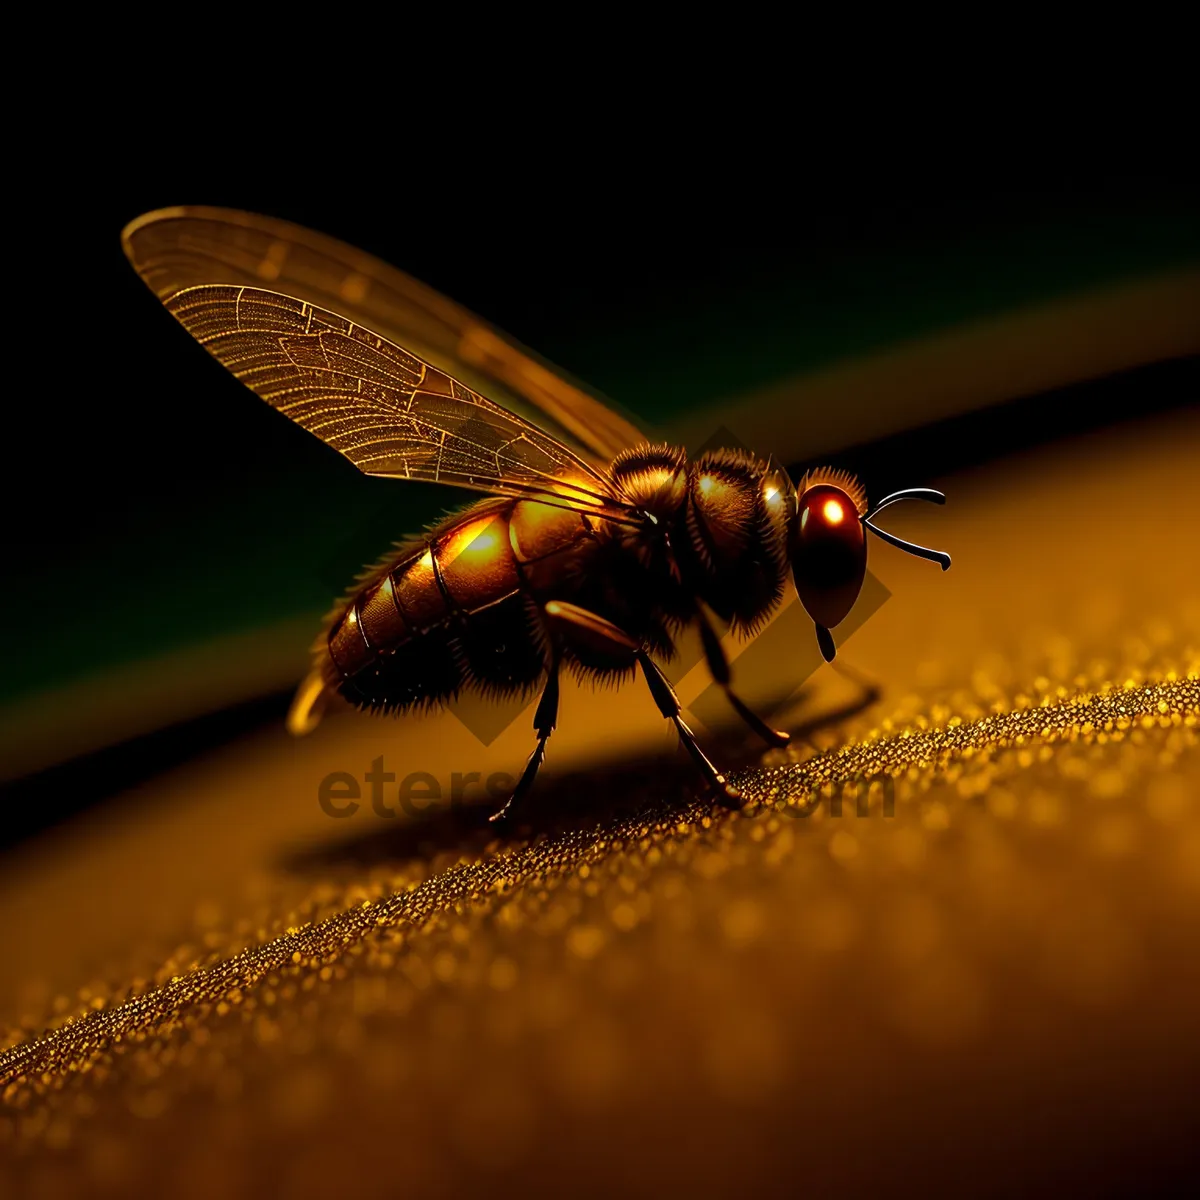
(544, 721)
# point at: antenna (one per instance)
(929, 494)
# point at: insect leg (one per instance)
(718, 666)
(544, 721)
(603, 637)
(668, 705)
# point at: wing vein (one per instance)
(381, 406)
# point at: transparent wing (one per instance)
(388, 411)
(177, 248)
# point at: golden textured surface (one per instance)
(218, 991)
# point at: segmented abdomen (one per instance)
(460, 608)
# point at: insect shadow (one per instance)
(594, 798)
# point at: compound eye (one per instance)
(827, 511)
(829, 553)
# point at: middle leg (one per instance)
(603, 639)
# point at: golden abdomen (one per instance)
(461, 608)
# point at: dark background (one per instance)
(678, 276)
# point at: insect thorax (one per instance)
(726, 516)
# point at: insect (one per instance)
(593, 548)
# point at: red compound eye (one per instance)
(829, 553)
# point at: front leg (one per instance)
(718, 666)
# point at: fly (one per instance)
(592, 549)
